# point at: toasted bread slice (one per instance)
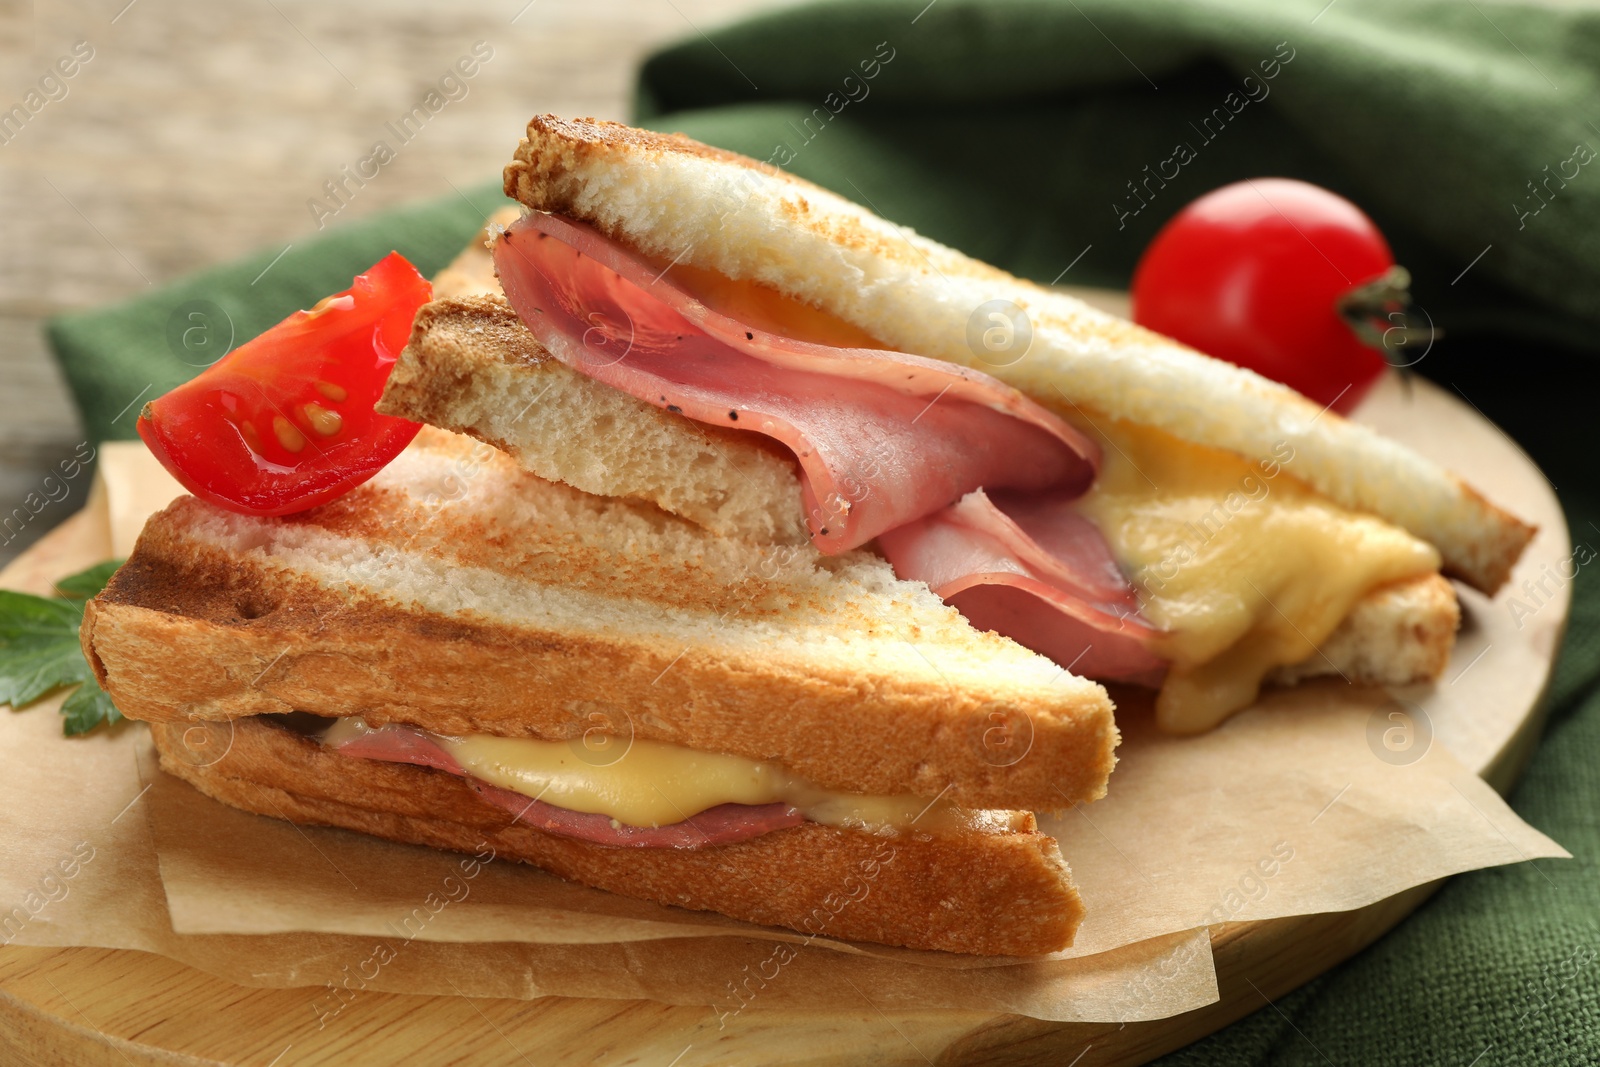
(457, 593)
(474, 368)
(471, 366)
(1001, 889)
(1398, 635)
(674, 198)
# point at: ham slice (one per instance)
(882, 438)
(1035, 570)
(394, 743)
(724, 824)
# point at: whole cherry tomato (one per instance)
(285, 422)
(1285, 278)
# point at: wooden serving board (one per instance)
(97, 1006)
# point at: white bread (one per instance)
(997, 891)
(473, 367)
(459, 594)
(679, 200)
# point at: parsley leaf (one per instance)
(38, 646)
(88, 707)
(40, 653)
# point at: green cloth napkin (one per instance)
(1008, 130)
(1011, 128)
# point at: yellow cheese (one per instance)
(652, 783)
(1244, 567)
(762, 307)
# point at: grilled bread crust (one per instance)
(457, 593)
(683, 201)
(989, 892)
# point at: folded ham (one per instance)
(890, 446)
(881, 437)
(1038, 572)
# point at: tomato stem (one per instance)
(1384, 318)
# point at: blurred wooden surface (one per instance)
(197, 132)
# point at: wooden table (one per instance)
(197, 132)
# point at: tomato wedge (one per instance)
(286, 422)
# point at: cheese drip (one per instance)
(654, 783)
(1244, 567)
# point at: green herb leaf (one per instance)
(39, 649)
(86, 708)
(40, 653)
(85, 584)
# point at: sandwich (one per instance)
(735, 570)
(673, 323)
(459, 652)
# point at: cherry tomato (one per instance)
(285, 422)
(1258, 272)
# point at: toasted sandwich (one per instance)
(672, 323)
(460, 651)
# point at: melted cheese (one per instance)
(764, 308)
(1244, 567)
(653, 783)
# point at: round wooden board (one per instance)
(97, 1006)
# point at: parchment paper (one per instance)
(1288, 809)
(78, 866)
(1283, 811)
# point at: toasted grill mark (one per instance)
(369, 512)
(472, 530)
(209, 584)
(474, 321)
